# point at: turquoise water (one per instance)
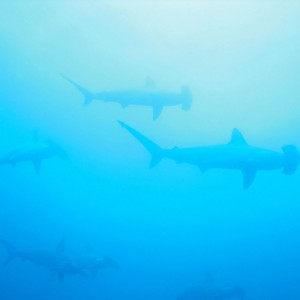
(167, 227)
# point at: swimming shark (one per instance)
(237, 154)
(156, 99)
(35, 153)
(209, 290)
(213, 293)
(54, 260)
(92, 263)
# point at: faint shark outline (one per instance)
(35, 153)
(54, 260)
(237, 154)
(93, 263)
(157, 99)
(210, 291)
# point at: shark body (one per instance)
(236, 155)
(156, 99)
(212, 293)
(208, 290)
(92, 263)
(34, 153)
(54, 260)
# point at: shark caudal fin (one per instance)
(291, 159)
(156, 151)
(187, 98)
(11, 252)
(88, 95)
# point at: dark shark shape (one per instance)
(213, 293)
(92, 263)
(54, 260)
(237, 154)
(208, 290)
(157, 99)
(35, 153)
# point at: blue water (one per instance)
(168, 226)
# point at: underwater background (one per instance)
(170, 225)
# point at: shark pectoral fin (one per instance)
(94, 272)
(248, 176)
(157, 109)
(37, 165)
(155, 159)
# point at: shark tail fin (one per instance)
(187, 98)
(291, 159)
(155, 150)
(88, 95)
(11, 252)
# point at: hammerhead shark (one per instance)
(237, 155)
(156, 99)
(34, 153)
(210, 291)
(92, 263)
(54, 260)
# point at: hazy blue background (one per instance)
(165, 226)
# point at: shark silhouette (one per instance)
(157, 99)
(54, 260)
(237, 154)
(92, 263)
(35, 153)
(210, 291)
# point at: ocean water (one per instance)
(170, 226)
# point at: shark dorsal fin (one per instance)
(237, 138)
(61, 245)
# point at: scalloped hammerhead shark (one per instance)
(208, 290)
(54, 260)
(35, 153)
(236, 155)
(149, 96)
